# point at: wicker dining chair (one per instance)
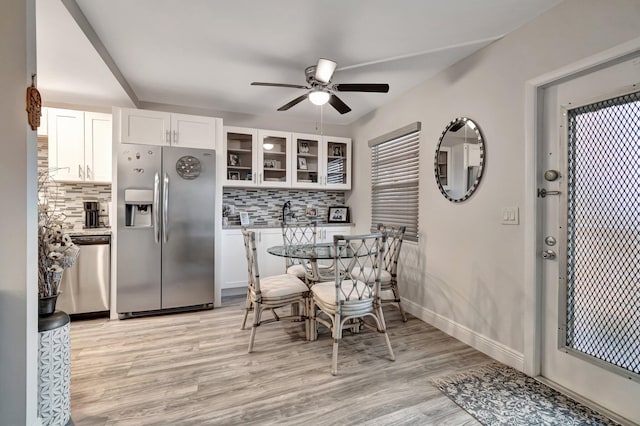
(337, 303)
(270, 293)
(300, 233)
(389, 274)
(295, 234)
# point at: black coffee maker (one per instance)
(91, 214)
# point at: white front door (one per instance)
(591, 288)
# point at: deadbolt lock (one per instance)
(551, 175)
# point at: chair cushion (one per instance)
(368, 275)
(297, 270)
(326, 291)
(281, 286)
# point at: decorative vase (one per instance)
(47, 305)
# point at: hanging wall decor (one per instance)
(34, 104)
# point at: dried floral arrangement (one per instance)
(56, 251)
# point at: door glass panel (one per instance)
(602, 309)
(274, 159)
(307, 160)
(239, 156)
(336, 163)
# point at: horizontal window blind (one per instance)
(394, 180)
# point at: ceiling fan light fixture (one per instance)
(319, 97)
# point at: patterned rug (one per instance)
(496, 394)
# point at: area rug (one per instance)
(496, 394)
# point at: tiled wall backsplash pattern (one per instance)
(265, 205)
(67, 197)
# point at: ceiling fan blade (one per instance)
(296, 101)
(295, 86)
(362, 87)
(337, 103)
(324, 70)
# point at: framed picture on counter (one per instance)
(338, 214)
(233, 175)
(302, 163)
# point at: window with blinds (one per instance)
(394, 179)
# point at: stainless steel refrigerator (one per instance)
(165, 229)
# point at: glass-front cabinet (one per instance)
(337, 162)
(257, 157)
(274, 159)
(321, 162)
(240, 156)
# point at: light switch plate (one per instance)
(510, 216)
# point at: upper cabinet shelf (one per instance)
(138, 126)
(276, 159)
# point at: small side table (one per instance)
(54, 370)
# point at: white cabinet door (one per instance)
(269, 264)
(307, 161)
(97, 153)
(190, 131)
(234, 259)
(274, 159)
(325, 234)
(337, 162)
(240, 153)
(66, 144)
(144, 127)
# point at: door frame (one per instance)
(534, 88)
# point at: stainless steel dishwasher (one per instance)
(86, 285)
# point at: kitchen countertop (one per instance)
(89, 231)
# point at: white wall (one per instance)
(466, 274)
(18, 250)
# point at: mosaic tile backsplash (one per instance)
(265, 205)
(67, 197)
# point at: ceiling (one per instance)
(205, 53)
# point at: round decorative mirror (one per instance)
(459, 161)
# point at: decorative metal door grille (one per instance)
(603, 233)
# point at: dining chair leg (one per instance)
(396, 295)
(246, 311)
(337, 335)
(257, 311)
(379, 317)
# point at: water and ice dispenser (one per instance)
(138, 205)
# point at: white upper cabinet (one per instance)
(79, 146)
(145, 127)
(97, 147)
(257, 157)
(191, 131)
(321, 162)
(66, 145)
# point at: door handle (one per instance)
(80, 172)
(165, 208)
(89, 174)
(542, 192)
(549, 254)
(175, 137)
(156, 207)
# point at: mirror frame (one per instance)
(480, 138)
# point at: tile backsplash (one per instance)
(264, 206)
(67, 197)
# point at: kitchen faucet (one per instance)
(286, 212)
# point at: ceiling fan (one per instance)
(320, 91)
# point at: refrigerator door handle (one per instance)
(165, 208)
(156, 208)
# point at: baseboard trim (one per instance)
(495, 350)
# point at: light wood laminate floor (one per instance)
(193, 369)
